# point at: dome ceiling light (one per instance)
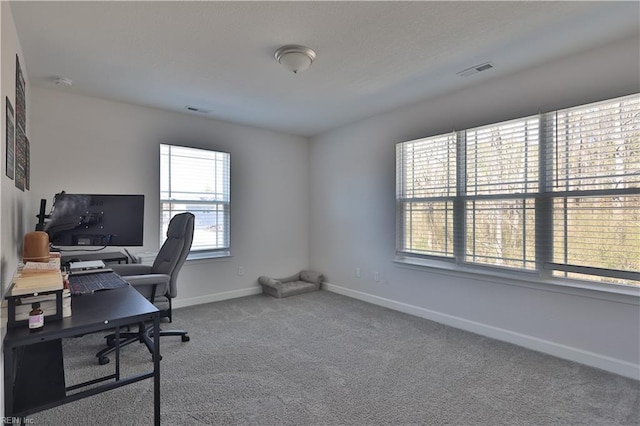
(295, 58)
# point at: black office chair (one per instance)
(157, 282)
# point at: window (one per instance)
(501, 181)
(557, 194)
(596, 189)
(197, 180)
(426, 188)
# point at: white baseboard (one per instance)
(215, 297)
(613, 365)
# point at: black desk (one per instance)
(105, 310)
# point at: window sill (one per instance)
(209, 256)
(611, 292)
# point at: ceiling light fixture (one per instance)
(62, 81)
(295, 58)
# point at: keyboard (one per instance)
(90, 283)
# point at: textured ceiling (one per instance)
(372, 56)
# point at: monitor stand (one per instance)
(106, 257)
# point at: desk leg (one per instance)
(156, 369)
(9, 375)
(117, 350)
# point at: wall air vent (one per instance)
(199, 110)
(475, 69)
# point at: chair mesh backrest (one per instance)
(175, 249)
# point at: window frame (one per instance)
(221, 205)
(543, 197)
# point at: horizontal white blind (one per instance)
(426, 167)
(599, 232)
(501, 232)
(597, 146)
(197, 181)
(426, 186)
(596, 217)
(503, 158)
(502, 162)
(429, 228)
(194, 174)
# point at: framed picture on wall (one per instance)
(27, 163)
(21, 106)
(10, 139)
(20, 158)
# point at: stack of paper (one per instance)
(36, 277)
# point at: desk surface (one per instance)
(89, 312)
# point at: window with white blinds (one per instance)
(501, 179)
(557, 194)
(595, 186)
(198, 181)
(426, 189)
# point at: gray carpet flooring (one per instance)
(325, 359)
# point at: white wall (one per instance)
(14, 203)
(90, 145)
(352, 175)
(14, 220)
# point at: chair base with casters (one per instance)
(143, 335)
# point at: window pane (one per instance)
(600, 232)
(426, 167)
(598, 146)
(501, 233)
(428, 228)
(503, 158)
(211, 224)
(194, 174)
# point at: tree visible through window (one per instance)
(197, 180)
(557, 193)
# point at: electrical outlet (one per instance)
(357, 272)
(240, 271)
(376, 276)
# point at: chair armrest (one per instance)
(144, 284)
(126, 270)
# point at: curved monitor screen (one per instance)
(96, 220)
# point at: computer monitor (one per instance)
(96, 220)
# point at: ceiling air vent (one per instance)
(194, 109)
(476, 69)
